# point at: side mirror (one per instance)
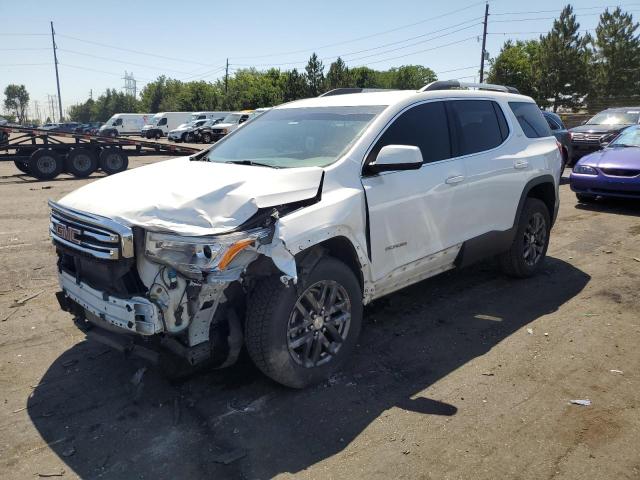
(396, 157)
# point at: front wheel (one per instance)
(300, 334)
(529, 248)
(206, 138)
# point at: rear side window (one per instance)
(530, 119)
(480, 125)
(424, 126)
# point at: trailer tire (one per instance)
(45, 164)
(113, 160)
(81, 162)
(22, 166)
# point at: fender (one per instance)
(496, 242)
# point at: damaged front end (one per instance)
(148, 292)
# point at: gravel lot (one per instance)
(467, 375)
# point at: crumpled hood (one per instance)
(620, 157)
(224, 125)
(193, 197)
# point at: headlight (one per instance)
(224, 130)
(584, 170)
(197, 255)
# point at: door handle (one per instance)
(520, 164)
(455, 179)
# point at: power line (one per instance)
(23, 64)
(20, 49)
(97, 71)
(576, 8)
(306, 50)
(121, 61)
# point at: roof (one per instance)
(621, 109)
(391, 97)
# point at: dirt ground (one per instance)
(467, 375)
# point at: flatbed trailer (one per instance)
(44, 154)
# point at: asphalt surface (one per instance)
(466, 375)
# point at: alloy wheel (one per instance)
(535, 237)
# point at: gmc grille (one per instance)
(91, 234)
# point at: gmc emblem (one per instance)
(69, 234)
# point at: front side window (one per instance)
(424, 126)
(295, 137)
(479, 125)
(552, 124)
(530, 119)
(117, 122)
(163, 121)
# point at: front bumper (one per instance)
(605, 186)
(131, 315)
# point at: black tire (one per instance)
(157, 135)
(271, 309)
(148, 135)
(113, 160)
(22, 166)
(113, 134)
(81, 162)
(188, 137)
(517, 261)
(206, 137)
(583, 198)
(45, 164)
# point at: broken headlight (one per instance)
(196, 255)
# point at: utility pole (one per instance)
(91, 94)
(484, 41)
(226, 77)
(55, 61)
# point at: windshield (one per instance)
(296, 137)
(153, 120)
(232, 118)
(629, 137)
(615, 118)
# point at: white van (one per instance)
(163, 122)
(207, 115)
(125, 124)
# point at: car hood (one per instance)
(193, 197)
(598, 128)
(224, 125)
(179, 130)
(625, 158)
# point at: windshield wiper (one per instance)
(623, 145)
(251, 163)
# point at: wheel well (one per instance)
(546, 193)
(342, 249)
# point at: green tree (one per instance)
(17, 99)
(515, 67)
(338, 75)
(616, 56)
(411, 77)
(82, 112)
(563, 62)
(294, 86)
(314, 76)
(364, 77)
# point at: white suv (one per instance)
(278, 235)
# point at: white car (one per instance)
(184, 133)
(278, 235)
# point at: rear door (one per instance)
(414, 214)
(494, 170)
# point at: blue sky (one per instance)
(191, 40)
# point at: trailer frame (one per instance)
(45, 154)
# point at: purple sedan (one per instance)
(611, 172)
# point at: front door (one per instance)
(414, 214)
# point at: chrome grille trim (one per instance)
(97, 236)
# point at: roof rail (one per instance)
(347, 90)
(451, 84)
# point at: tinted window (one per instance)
(552, 123)
(530, 119)
(424, 126)
(477, 127)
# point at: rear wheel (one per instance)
(529, 248)
(300, 335)
(206, 137)
(113, 160)
(81, 162)
(45, 164)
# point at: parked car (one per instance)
(562, 135)
(184, 132)
(90, 128)
(124, 124)
(207, 115)
(603, 127)
(162, 123)
(69, 127)
(50, 126)
(202, 134)
(278, 235)
(227, 125)
(613, 171)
